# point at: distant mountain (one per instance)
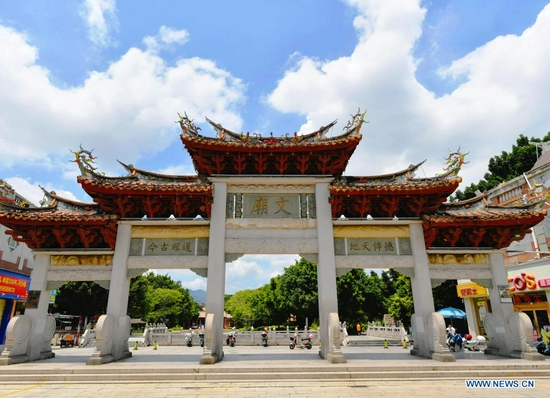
(198, 295)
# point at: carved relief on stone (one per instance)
(271, 246)
(371, 231)
(271, 223)
(166, 231)
(276, 188)
(375, 262)
(476, 258)
(172, 262)
(75, 260)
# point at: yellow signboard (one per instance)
(471, 290)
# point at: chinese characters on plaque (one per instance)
(168, 247)
(271, 206)
(372, 246)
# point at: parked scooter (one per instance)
(231, 339)
(479, 344)
(454, 342)
(542, 348)
(189, 339)
(264, 338)
(305, 343)
(201, 339)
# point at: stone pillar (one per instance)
(508, 332)
(215, 287)
(41, 328)
(326, 277)
(113, 330)
(426, 339)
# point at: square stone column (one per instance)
(496, 324)
(215, 287)
(326, 273)
(40, 328)
(119, 291)
(427, 329)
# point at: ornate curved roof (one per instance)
(61, 224)
(390, 195)
(231, 153)
(151, 194)
(475, 223)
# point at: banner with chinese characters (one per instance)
(271, 206)
(169, 247)
(13, 286)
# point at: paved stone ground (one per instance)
(246, 357)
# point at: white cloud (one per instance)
(131, 105)
(32, 192)
(100, 17)
(166, 38)
(505, 93)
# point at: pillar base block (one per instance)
(336, 358)
(6, 360)
(443, 357)
(99, 360)
(47, 355)
(209, 359)
(529, 356)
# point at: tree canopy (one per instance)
(504, 167)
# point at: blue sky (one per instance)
(434, 76)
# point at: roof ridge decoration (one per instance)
(224, 134)
(455, 160)
(85, 161)
(53, 201)
(152, 176)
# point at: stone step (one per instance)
(212, 374)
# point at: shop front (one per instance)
(14, 290)
(477, 304)
(530, 292)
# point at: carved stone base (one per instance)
(443, 357)
(529, 356)
(210, 359)
(47, 355)
(491, 351)
(99, 360)
(336, 358)
(7, 360)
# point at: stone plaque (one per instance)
(372, 246)
(166, 247)
(271, 206)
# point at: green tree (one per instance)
(240, 306)
(360, 296)
(400, 304)
(138, 305)
(296, 292)
(81, 298)
(446, 295)
(505, 167)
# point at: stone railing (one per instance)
(247, 338)
(387, 332)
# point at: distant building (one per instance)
(527, 261)
(16, 263)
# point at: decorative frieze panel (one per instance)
(76, 260)
(168, 262)
(169, 247)
(452, 258)
(169, 231)
(372, 246)
(271, 246)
